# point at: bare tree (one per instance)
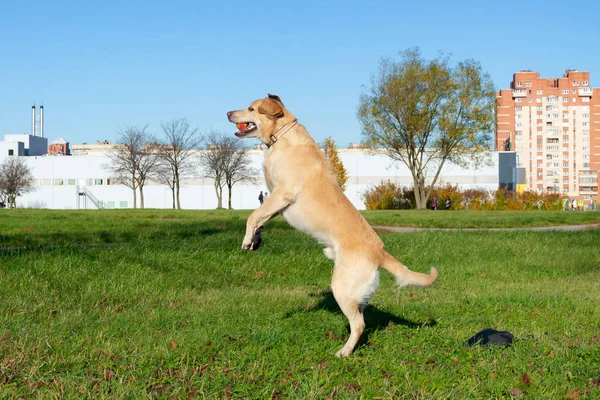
(164, 174)
(226, 162)
(133, 160)
(176, 156)
(16, 179)
(237, 168)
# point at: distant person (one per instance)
(266, 195)
(574, 205)
(434, 204)
(448, 203)
(261, 198)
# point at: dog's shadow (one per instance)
(375, 319)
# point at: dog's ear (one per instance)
(271, 108)
(274, 97)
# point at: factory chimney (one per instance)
(33, 120)
(41, 121)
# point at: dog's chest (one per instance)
(270, 171)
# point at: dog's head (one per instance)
(261, 119)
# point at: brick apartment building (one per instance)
(553, 125)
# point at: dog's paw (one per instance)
(257, 239)
(247, 244)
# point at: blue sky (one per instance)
(101, 66)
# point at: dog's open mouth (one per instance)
(245, 128)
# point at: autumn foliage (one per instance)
(331, 154)
(391, 196)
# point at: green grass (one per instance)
(479, 219)
(170, 306)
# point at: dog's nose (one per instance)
(229, 113)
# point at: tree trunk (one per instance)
(420, 195)
(134, 198)
(178, 188)
(173, 195)
(219, 193)
(229, 189)
(141, 196)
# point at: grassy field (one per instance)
(164, 304)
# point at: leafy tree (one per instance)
(15, 180)
(331, 154)
(424, 113)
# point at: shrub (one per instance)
(390, 196)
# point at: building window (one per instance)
(110, 204)
(122, 204)
(11, 152)
(519, 84)
(584, 83)
(565, 91)
(46, 182)
(575, 83)
(98, 182)
(518, 100)
(539, 91)
(59, 182)
(71, 182)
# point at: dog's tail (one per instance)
(405, 276)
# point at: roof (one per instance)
(59, 140)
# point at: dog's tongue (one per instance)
(241, 127)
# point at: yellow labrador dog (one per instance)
(305, 192)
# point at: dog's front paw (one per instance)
(253, 242)
(247, 244)
(257, 239)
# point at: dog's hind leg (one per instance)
(352, 287)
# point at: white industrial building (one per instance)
(82, 180)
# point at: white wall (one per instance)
(364, 170)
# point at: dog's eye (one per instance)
(250, 108)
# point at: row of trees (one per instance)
(139, 156)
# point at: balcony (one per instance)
(592, 190)
(582, 91)
(519, 93)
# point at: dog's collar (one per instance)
(276, 136)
